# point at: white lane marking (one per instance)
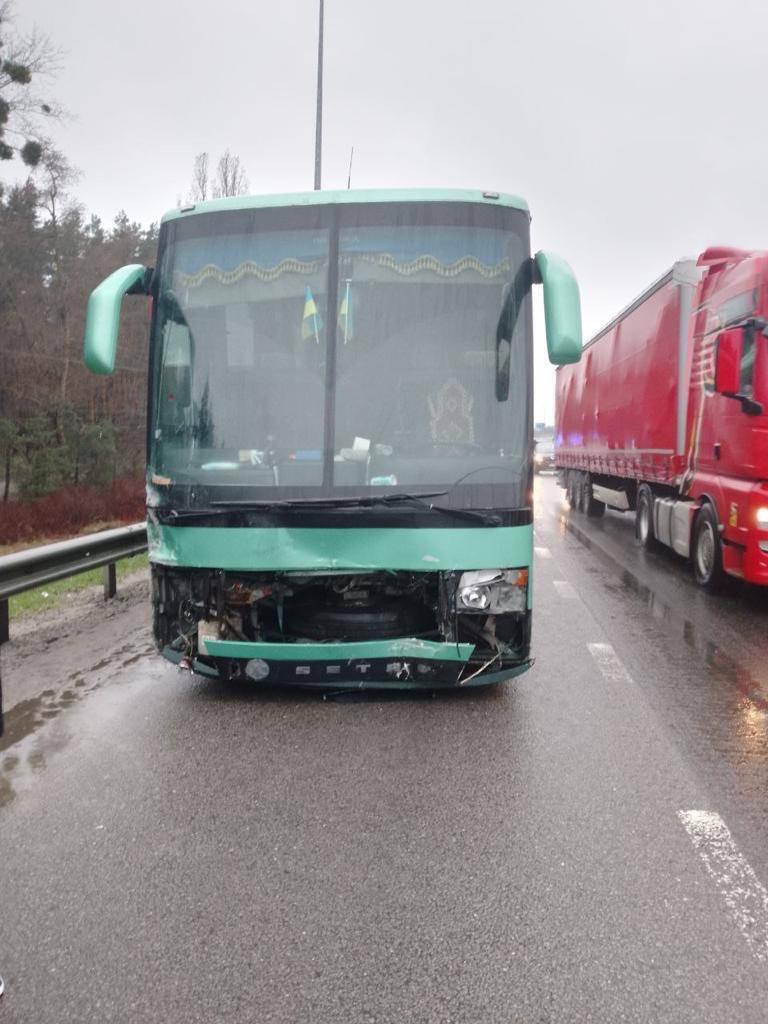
(744, 894)
(543, 552)
(565, 589)
(609, 663)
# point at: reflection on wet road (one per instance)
(588, 844)
(719, 643)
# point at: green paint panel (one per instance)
(404, 647)
(424, 195)
(302, 548)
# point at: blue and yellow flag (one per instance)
(345, 314)
(311, 322)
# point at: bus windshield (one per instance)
(343, 350)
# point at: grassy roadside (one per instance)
(53, 594)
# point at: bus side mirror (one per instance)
(562, 308)
(728, 362)
(102, 319)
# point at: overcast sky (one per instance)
(636, 131)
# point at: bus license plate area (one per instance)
(368, 672)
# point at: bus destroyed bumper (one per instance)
(405, 667)
(345, 630)
(402, 660)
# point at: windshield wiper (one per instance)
(225, 507)
(374, 501)
(486, 518)
(361, 501)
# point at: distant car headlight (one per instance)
(538, 459)
(494, 591)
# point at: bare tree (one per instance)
(23, 61)
(201, 182)
(57, 176)
(231, 179)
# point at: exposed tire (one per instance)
(707, 550)
(644, 533)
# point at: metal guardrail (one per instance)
(26, 570)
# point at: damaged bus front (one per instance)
(339, 445)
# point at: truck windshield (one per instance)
(347, 350)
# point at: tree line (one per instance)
(59, 424)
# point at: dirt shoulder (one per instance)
(56, 648)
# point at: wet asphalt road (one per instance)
(172, 850)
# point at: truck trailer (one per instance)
(666, 416)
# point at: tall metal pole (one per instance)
(319, 122)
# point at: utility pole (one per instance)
(319, 121)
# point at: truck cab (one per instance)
(728, 407)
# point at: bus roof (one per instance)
(393, 195)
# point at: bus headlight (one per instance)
(494, 591)
(474, 598)
(761, 515)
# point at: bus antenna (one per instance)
(349, 176)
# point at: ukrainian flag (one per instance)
(311, 322)
(345, 315)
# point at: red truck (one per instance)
(666, 415)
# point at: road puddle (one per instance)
(28, 738)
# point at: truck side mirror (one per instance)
(728, 362)
(102, 319)
(562, 308)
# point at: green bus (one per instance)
(340, 450)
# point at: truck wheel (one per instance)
(594, 508)
(707, 550)
(644, 518)
(583, 493)
(572, 491)
(589, 506)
